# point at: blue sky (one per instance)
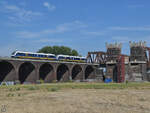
(84, 25)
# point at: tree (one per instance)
(59, 50)
(74, 52)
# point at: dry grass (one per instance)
(76, 98)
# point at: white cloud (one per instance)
(49, 6)
(94, 33)
(28, 34)
(66, 27)
(18, 14)
(62, 28)
(49, 40)
(118, 28)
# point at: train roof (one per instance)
(35, 53)
(63, 55)
(49, 54)
(70, 56)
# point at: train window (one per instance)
(45, 55)
(61, 57)
(35, 55)
(84, 59)
(13, 52)
(41, 56)
(76, 58)
(31, 55)
(68, 58)
(20, 54)
(71, 58)
(49, 56)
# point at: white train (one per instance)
(44, 56)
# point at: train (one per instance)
(44, 56)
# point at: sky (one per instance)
(84, 25)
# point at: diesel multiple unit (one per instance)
(43, 56)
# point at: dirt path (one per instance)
(76, 101)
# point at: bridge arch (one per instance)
(6, 69)
(62, 72)
(45, 72)
(25, 70)
(75, 73)
(88, 71)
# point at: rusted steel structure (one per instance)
(113, 60)
(121, 69)
(147, 52)
(98, 57)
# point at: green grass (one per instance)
(56, 86)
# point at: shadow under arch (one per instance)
(89, 69)
(45, 70)
(5, 69)
(75, 71)
(24, 71)
(61, 70)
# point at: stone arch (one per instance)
(76, 72)
(7, 71)
(46, 72)
(62, 72)
(88, 71)
(25, 70)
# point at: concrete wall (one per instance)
(111, 71)
(133, 72)
(137, 72)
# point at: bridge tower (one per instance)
(138, 61)
(113, 53)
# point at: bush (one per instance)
(54, 89)
(33, 88)
(10, 95)
(19, 94)
(127, 82)
(3, 84)
(17, 89)
(14, 89)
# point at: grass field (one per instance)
(76, 98)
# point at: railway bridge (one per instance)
(31, 71)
